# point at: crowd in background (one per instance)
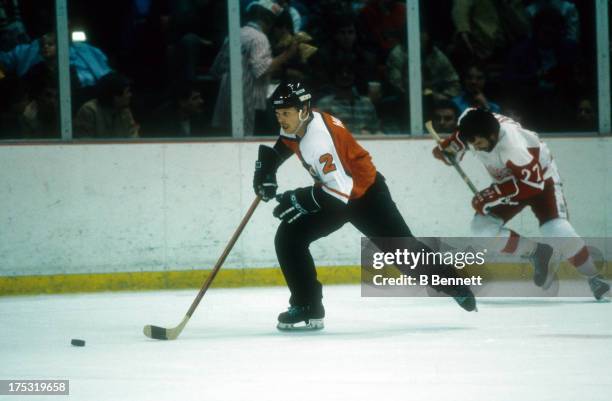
(160, 68)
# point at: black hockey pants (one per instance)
(374, 214)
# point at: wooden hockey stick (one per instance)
(160, 333)
(454, 162)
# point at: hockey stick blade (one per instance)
(155, 332)
(160, 333)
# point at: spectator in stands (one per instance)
(440, 81)
(89, 62)
(109, 114)
(541, 70)
(344, 47)
(179, 117)
(355, 111)
(291, 7)
(444, 116)
(195, 37)
(473, 93)
(22, 58)
(296, 17)
(12, 30)
(585, 115)
(29, 107)
(485, 29)
(381, 21)
(282, 30)
(567, 9)
(319, 15)
(40, 117)
(257, 64)
(397, 68)
(283, 36)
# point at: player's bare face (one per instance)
(483, 144)
(288, 119)
(445, 120)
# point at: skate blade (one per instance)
(313, 324)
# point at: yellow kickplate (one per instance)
(227, 278)
(177, 279)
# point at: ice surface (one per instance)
(371, 349)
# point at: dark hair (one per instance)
(284, 21)
(446, 104)
(478, 123)
(259, 13)
(111, 85)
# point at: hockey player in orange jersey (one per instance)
(347, 188)
(524, 174)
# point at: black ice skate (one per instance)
(545, 263)
(598, 286)
(462, 294)
(466, 300)
(311, 315)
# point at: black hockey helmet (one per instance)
(291, 94)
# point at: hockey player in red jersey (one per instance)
(524, 174)
(347, 188)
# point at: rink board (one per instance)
(109, 216)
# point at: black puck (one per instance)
(78, 343)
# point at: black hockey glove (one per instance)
(294, 204)
(264, 179)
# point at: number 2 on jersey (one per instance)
(328, 161)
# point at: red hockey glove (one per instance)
(496, 194)
(451, 147)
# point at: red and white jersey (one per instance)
(519, 153)
(333, 157)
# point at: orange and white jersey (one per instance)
(333, 157)
(518, 153)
